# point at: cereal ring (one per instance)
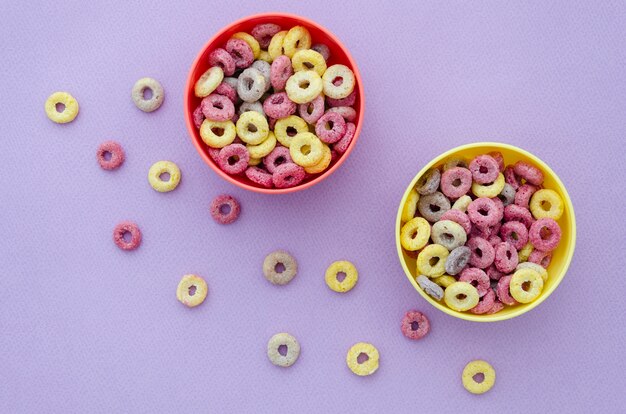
(297, 38)
(462, 203)
(457, 260)
(525, 251)
(343, 144)
(523, 195)
(330, 128)
(230, 81)
(534, 266)
(528, 172)
(322, 49)
(251, 107)
(475, 368)
(306, 149)
(278, 105)
(515, 233)
(526, 285)
(477, 278)
(304, 86)
(483, 212)
(158, 171)
(265, 56)
(410, 206)
(110, 155)
(445, 280)
(494, 273)
(415, 325)
(251, 41)
(545, 234)
(502, 291)
(489, 190)
(334, 273)
(124, 228)
(191, 290)
(546, 204)
(264, 148)
(222, 59)
(459, 218)
(497, 307)
(265, 70)
(260, 177)
(198, 116)
(218, 134)
(483, 253)
(497, 155)
(67, 104)
(278, 156)
(322, 164)
(241, 52)
(208, 82)
(428, 182)
(252, 162)
(449, 234)
(414, 234)
(252, 128)
(287, 128)
(433, 206)
(507, 195)
(280, 267)
(485, 303)
(510, 178)
(453, 163)
(484, 169)
(541, 258)
(217, 107)
(461, 296)
(506, 259)
(456, 182)
(264, 32)
(279, 342)
(313, 110)
(307, 59)
(157, 94)
(431, 260)
(347, 101)
(431, 288)
(275, 48)
(280, 72)
(233, 158)
(368, 354)
(225, 209)
(288, 175)
(349, 114)
(514, 212)
(338, 81)
(494, 240)
(251, 85)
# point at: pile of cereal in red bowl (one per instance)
(272, 109)
(483, 233)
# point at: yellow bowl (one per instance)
(561, 257)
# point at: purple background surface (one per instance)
(86, 327)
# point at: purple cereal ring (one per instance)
(545, 234)
(288, 175)
(477, 278)
(522, 197)
(458, 217)
(484, 169)
(264, 32)
(225, 209)
(514, 212)
(456, 182)
(217, 107)
(483, 212)
(279, 106)
(342, 145)
(415, 325)
(233, 158)
(483, 253)
(348, 113)
(494, 273)
(223, 59)
(497, 155)
(506, 259)
(279, 155)
(280, 72)
(510, 178)
(312, 111)
(241, 52)
(507, 195)
(528, 172)
(457, 260)
(227, 90)
(494, 240)
(322, 49)
(198, 116)
(123, 228)
(502, 290)
(485, 304)
(515, 233)
(260, 176)
(115, 155)
(541, 258)
(347, 101)
(330, 128)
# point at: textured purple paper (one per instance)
(88, 328)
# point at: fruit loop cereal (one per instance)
(278, 112)
(158, 179)
(363, 359)
(110, 155)
(280, 267)
(415, 325)
(283, 350)
(127, 235)
(340, 269)
(225, 209)
(61, 107)
(192, 290)
(481, 232)
(143, 102)
(470, 375)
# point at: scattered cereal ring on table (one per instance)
(526, 285)
(333, 274)
(415, 234)
(127, 228)
(157, 172)
(274, 346)
(472, 370)
(67, 107)
(110, 155)
(152, 103)
(279, 267)
(461, 296)
(546, 203)
(431, 288)
(192, 290)
(363, 359)
(225, 209)
(415, 325)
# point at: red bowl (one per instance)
(338, 54)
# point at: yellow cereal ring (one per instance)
(462, 203)
(367, 367)
(475, 368)
(526, 285)
(264, 148)
(342, 266)
(265, 56)
(217, 134)
(192, 290)
(252, 128)
(410, 206)
(461, 296)
(546, 204)
(343, 89)
(536, 267)
(297, 38)
(415, 234)
(254, 161)
(209, 81)
(275, 48)
(525, 252)
(67, 114)
(286, 128)
(322, 164)
(304, 86)
(444, 281)
(489, 190)
(251, 41)
(308, 59)
(157, 170)
(306, 149)
(431, 260)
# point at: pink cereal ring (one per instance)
(330, 128)
(494, 273)
(497, 307)
(502, 290)
(342, 145)
(545, 234)
(523, 194)
(348, 113)
(260, 177)
(233, 158)
(510, 178)
(279, 155)
(483, 253)
(458, 217)
(225, 209)
(483, 232)
(485, 304)
(223, 59)
(116, 153)
(494, 240)
(279, 106)
(484, 169)
(198, 116)
(264, 32)
(288, 175)
(483, 212)
(312, 111)
(477, 278)
(515, 233)
(456, 182)
(241, 52)
(217, 107)
(213, 153)
(415, 325)
(541, 258)
(124, 228)
(499, 210)
(528, 172)
(513, 212)
(506, 259)
(347, 101)
(227, 90)
(280, 72)
(497, 155)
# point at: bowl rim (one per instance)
(199, 146)
(522, 309)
